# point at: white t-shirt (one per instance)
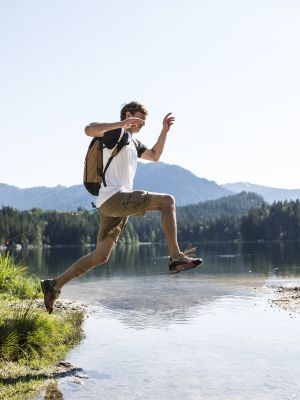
(120, 173)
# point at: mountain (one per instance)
(186, 187)
(269, 194)
(49, 198)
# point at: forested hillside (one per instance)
(239, 217)
(210, 220)
(234, 205)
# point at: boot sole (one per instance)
(186, 267)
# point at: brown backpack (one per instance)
(93, 166)
(94, 173)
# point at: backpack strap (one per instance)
(118, 147)
(135, 144)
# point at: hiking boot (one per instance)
(182, 262)
(50, 293)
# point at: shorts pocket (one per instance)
(135, 203)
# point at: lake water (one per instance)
(208, 333)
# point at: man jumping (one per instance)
(117, 200)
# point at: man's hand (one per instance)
(132, 122)
(168, 121)
(156, 151)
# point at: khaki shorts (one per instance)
(115, 211)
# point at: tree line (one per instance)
(239, 217)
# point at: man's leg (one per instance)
(97, 257)
(165, 203)
(137, 203)
(51, 287)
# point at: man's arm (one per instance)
(97, 129)
(156, 151)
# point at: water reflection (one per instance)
(136, 288)
(52, 392)
(219, 258)
(150, 328)
(157, 303)
(203, 358)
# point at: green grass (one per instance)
(22, 390)
(30, 339)
(32, 336)
(15, 282)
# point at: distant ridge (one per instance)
(186, 187)
(59, 198)
(235, 205)
(270, 194)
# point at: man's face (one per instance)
(138, 127)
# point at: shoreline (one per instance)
(27, 377)
(286, 298)
(44, 246)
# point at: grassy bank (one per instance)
(32, 342)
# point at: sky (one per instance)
(228, 71)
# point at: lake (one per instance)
(208, 333)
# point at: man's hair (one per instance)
(132, 107)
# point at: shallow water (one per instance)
(208, 333)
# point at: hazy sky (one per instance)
(228, 70)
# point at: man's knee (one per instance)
(100, 257)
(168, 201)
(161, 202)
(103, 250)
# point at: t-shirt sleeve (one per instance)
(110, 138)
(140, 148)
